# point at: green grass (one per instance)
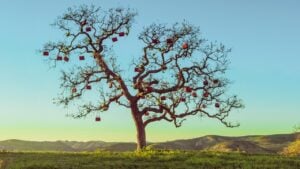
(145, 160)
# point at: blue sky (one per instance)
(265, 71)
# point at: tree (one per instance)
(293, 149)
(177, 75)
(297, 127)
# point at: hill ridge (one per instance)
(274, 143)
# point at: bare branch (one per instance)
(178, 74)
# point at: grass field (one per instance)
(145, 160)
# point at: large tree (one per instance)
(178, 73)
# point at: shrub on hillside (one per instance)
(293, 149)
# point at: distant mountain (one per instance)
(248, 144)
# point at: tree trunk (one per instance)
(140, 129)
(141, 137)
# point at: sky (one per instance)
(265, 41)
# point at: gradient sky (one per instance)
(265, 71)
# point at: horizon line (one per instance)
(62, 140)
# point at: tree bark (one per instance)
(141, 136)
(140, 129)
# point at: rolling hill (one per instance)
(248, 144)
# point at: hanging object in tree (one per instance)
(217, 105)
(114, 39)
(74, 90)
(59, 58)
(185, 45)
(88, 29)
(149, 89)
(215, 81)
(182, 99)
(97, 119)
(66, 59)
(203, 106)
(81, 57)
(137, 69)
(46, 53)
(163, 98)
(88, 87)
(205, 82)
(188, 89)
(169, 41)
(205, 94)
(155, 41)
(121, 34)
(194, 94)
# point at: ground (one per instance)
(145, 160)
